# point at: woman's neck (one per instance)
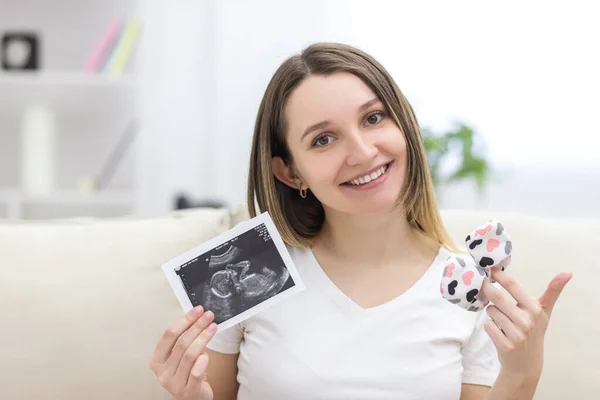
(373, 240)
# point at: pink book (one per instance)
(94, 62)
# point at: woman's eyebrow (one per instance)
(314, 127)
(368, 104)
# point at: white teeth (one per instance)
(369, 178)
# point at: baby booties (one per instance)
(489, 246)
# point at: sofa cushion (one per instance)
(84, 303)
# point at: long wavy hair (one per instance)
(298, 219)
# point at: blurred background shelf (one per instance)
(16, 205)
(88, 108)
(65, 92)
(66, 78)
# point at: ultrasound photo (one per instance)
(237, 274)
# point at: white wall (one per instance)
(206, 67)
(523, 75)
(176, 57)
(254, 38)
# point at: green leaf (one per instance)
(472, 166)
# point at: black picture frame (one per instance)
(32, 60)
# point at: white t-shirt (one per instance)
(319, 344)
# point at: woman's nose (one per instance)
(361, 150)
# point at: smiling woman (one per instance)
(344, 159)
(335, 120)
(339, 164)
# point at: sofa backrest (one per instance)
(84, 302)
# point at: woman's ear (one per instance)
(284, 173)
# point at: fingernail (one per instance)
(197, 310)
(207, 316)
(212, 327)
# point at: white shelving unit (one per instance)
(64, 91)
(92, 110)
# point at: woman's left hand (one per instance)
(517, 330)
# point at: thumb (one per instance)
(554, 290)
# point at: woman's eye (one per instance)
(322, 140)
(375, 118)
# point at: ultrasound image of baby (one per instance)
(235, 286)
(236, 274)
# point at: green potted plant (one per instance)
(461, 142)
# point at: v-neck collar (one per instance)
(346, 303)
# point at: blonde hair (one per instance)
(298, 219)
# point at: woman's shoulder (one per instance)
(301, 256)
(297, 251)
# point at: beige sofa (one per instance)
(83, 302)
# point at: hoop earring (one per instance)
(303, 193)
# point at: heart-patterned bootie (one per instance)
(489, 246)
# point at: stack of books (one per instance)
(112, 53)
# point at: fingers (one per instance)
(195, 386)
(518, 316)
(553, 292)
(198, 370)
(178, 361)
(193, 353)
(184, 342)
(515, 289)
(170, 336)
(505, 324)
(497, 336)
(197, 382)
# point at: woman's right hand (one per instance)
(179, 361)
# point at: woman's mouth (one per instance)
(371, 180)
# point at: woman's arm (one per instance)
(505, 387)
(222, 375)
(474, 392)
(516, 387)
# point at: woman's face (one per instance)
(346, 148)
